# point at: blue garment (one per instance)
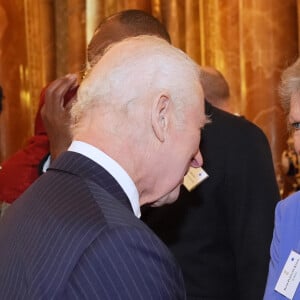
(286, 237)
(73, 235)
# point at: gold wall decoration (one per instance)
(220, 42)
(16, 118)
(40, 48)
(266, 47)
(70, 38)
(250, 42)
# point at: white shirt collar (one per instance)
(111, 166)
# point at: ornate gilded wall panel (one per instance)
(267, 46)
(70, 29)
(40, 47)
(220, 42)
(76, 35)
(15, 120)
(248, 41)
(192, 30)
(61, 37)
(173, 16)
(298, 14)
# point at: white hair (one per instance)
(290, 84)
(133, 69)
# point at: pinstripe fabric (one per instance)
(73, 235)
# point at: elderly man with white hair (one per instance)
(75, 233)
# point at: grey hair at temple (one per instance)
(290, 84)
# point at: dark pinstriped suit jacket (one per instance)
(73, 235)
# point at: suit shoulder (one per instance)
(289, 205)
(232, 126)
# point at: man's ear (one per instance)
(160, 116)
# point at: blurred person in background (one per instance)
(221, 231)
(217, 91)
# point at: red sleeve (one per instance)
(22, 168)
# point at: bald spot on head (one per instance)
(215, 86)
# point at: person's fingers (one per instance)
(65, 85)
(70, 103)
(71, 95)
(55, 92)
(53, 109)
